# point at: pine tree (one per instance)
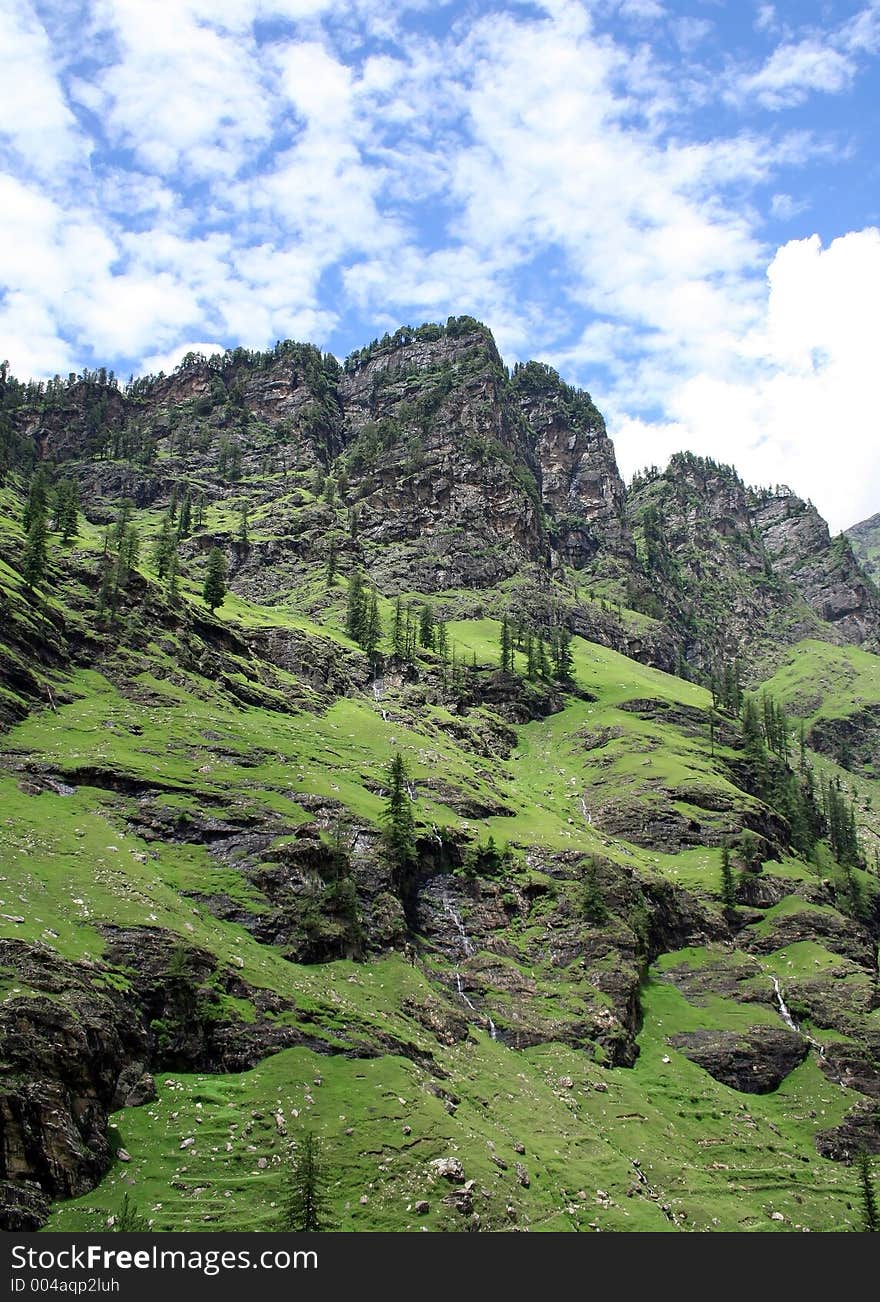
(128, 550)
(214, 591)
(172, 586)
(332, 562)
(354, 615)
(303, 1204)
(750, 851)
(184, 521)
(442, 641)
(506, 647)
(531, 658)
(398, 634)
(107, 595)
(128, 1220)
(562, 656)
(243, 537)
(36, 555)
(426, 627)
(728, 886)
(400, 833)
(38, 499)
(163, 547)
(870, 1216)
(66, 510)
(411, 639)
(372, 625)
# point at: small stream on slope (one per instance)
(783, 1007)
(785, 1014)
(467, 949)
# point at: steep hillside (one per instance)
(412, 841)
(744, 573)
(865, 540)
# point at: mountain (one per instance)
(512, 831)
(865, 541)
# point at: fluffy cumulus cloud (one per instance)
(804, 414)
(601, 181)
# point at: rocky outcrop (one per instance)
(838, 934)
(704, 562)
(65, 1046)
(824, 571)
(755, 1061)
(732, 569)
(865, 541)
(441, 474)
(859, 1132)
(447, 473)
(853, 1066)
(853, 741)
(581, 487)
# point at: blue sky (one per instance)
(675, 202)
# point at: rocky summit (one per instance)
(383, 777)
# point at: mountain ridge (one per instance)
(539, 445)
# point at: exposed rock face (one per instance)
(733, 569)
(852, 741)
(74, 1050)
(452, 474)
(581, 487)
(75, 424)
(441, 472)
(64, 1047)
(858, 1132)
(824, 571)
(702, 556)
(444, 473)
(853, 1066)
(840, 935)
(755, 1061)
(865, 540)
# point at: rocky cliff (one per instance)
(865, 541)
(439, 472)
(824, 571)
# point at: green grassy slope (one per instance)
(407, 1071)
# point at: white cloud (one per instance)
(805, 412)
(862, 33)
(783, 207)
(34, 115)
(185, 89)
(793, 71)
(690, 32)
(650, 10)
(824, 61)
(159, 362)
(765, 19)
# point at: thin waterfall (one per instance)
(783, 1007)
(467, 949)
(785, 1014)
